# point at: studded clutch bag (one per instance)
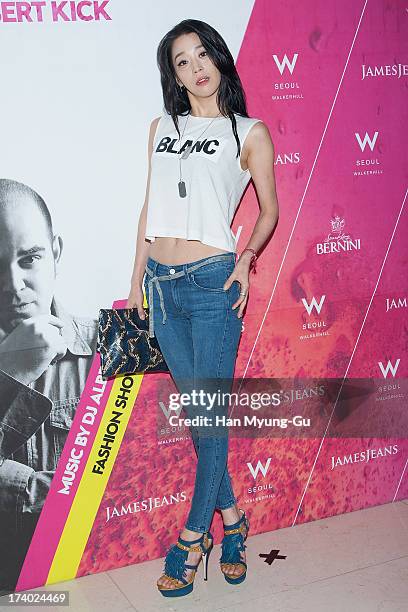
(124, 345)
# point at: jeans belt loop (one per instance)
(154, 279)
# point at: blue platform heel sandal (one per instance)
(232, 545)
(175, 564)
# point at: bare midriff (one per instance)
(176, 251)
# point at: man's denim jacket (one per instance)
(35, 420)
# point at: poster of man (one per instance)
(45, 356)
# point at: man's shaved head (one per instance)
(29, 254)
(13, 193)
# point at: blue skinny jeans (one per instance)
(198, 333)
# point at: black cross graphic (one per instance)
(270, 557)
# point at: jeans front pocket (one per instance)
(212, 277)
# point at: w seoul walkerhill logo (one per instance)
(289, 87)
(260, 470)
(338, 241)
(170, 434)
(316, 322)
(370, 164)
(393, 388)
(389, 368)
(285, 63)
(363, 142)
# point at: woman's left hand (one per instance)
(241, 274)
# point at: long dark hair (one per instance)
(230, 94)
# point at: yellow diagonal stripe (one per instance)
(95, 478)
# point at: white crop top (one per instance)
(212, 174)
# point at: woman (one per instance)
(186, 252)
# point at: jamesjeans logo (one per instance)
(387, 70)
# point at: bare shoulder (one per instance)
(154, 124)
(152, 133)
(258, 143)
(153, 127)
(258, 133)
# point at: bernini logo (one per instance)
(337, 240)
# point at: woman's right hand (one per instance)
(135, 300)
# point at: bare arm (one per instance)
(135, 299)
(258, 155)
(260, 161)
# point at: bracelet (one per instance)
(253, 258)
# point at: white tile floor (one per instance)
(355, 562)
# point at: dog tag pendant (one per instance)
(186, 152)
(182, 189)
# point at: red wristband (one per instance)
(253, 258)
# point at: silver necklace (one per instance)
(181, 184)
